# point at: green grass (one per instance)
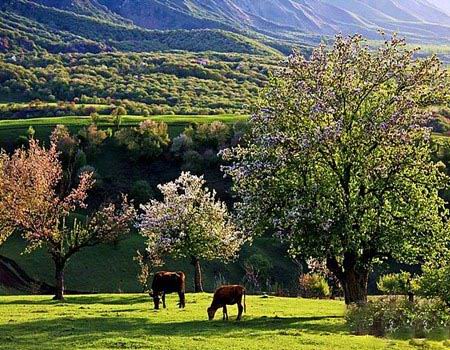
(128, 322)
(126, 120)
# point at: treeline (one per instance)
(180, 83)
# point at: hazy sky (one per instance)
(443, 4)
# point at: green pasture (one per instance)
(111, 321)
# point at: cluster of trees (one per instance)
(199, 144)
(337, 162)
(178, 83)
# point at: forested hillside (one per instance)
(28, 26)
(165, 83)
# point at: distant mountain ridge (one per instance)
(419, 20)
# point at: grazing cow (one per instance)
(227, 295)
(165, 282)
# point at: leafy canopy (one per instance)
(338, 157)
(189, 222)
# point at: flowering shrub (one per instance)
(313, 286)
(390, 315)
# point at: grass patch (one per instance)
(128, 322)
(126, 120)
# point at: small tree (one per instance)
(117, 116)
(190, 223)
(338, 159)
(42, 208)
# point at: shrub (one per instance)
(141, 192)
(214, 134)
(396, 284)
(313, 286)
(147, 141)
(193, 162)
(92, 138)
(391, 315)
(435, 281)
(181, 144)
(210, 157)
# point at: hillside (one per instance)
(29, 26)
(242, 26)
(419, 20)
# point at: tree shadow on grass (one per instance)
(79, 299)
(63, 332)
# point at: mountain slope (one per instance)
(30, 25)
(419, 20)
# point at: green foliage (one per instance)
(148, 83)
(313, 286)
(193, 162)
(388, 316)
(395, 283)
(141, 192)
(435, 281)
(147, 141)
(29, 26)
(338, 160)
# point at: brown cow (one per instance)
(227, 295)
(165, 282)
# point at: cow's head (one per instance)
(211, 312)
(155, 297)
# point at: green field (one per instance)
(126, 120)
(128, 322)
(11, 129)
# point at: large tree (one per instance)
(190, 223)
(36, 201)
(338, 163)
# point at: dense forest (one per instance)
(181, 83)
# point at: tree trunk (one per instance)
(198, 284)
(354, 284)
(353, 280)
(59, 278)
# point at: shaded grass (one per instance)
(128, 321)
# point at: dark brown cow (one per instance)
(227, 295)
(165, 282)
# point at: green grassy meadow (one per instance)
(10, 129)
(114, 321)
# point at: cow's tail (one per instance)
(245, 308)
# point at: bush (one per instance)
(141, 192)
(313, 286)
(193, 162)
(147, 141)
(92, 138)
(214, 135)
(435, 281)
(396, 284)
(391, 315)
(181, 144)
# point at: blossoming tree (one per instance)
(34, 201)
(338, 163)
(190, 223)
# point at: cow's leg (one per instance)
(240, 309)
(225, 313)
(164, 299)
(182, 301)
